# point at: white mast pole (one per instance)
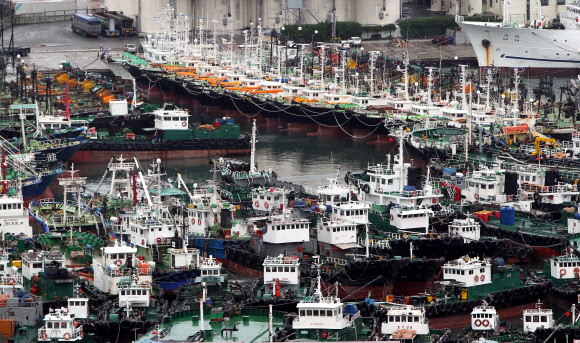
(253, 152)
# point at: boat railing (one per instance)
(414, 193)
(127, 272)
(281, 260)
(382, 169)
(338, 261)
(549, 189)
(54, 334)
(376, 243)
(11, 280)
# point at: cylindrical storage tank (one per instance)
(485, 216)
(216, 124)
(507, 215)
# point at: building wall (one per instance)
(272, 12)
(517, 11)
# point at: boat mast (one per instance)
(429, 87)
(253, 152)
(343, 63)
(488, 78)
(372, 73)
(406, 75)
(322, 66)
(400, 136)
(515, 94)
(463, 76)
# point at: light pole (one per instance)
(312, 39)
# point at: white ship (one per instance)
(510, 45)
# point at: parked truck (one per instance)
(107, 26)
(127, 24)
(86, 25)
(123, 24)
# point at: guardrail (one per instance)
(49, 16)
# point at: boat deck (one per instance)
(255, 330)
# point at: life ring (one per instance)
(215, 220)
(142, 242)
(414, 193)
(485, 322)
(198, 221)
(266, 205)
(482, 278)
(576, 270)
(510, 198)
(158, 239)
(392, 217)
(562, 271)
(11, 281)
(476, 196)
(380, 190)
(119, 263)
(476, 278)
(192, 221)
(66, 336)
(477, 322)
(44, 336)
(257, 203)
(437, 191)
(184, 124)
(524, 197)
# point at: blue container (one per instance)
(220, 120)
(507, 215)
(229, 121)
(299, 203)
(576, 215)
(328, 208)
(370, 301)
(314, 208)
(408, 188)
(500, 262)
(449, 171)
(349, 309)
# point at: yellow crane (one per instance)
(543, 139)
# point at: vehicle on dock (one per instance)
(86, 25)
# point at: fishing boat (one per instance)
(468, 281)
(170, 137)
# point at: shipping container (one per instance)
(86, 25)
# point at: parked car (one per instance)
(131, 48)
(355, 42)
(345, 44)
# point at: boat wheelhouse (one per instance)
(537, 318)
(13, 214)
(283, 229)
(467, 228)
(114, 264)
(35, 262)
(171, 119)
(267, 200)
(79, 307)
(132, 293)
(281, 275)
(60, 325)
(468, 272)
(290, 91)
(326, 318)
(404, 317)
(484, 318)
(210, 272)
(336, 98)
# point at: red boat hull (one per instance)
(105, 156)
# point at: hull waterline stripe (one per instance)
(542, 59)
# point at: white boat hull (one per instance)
(523, 47)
